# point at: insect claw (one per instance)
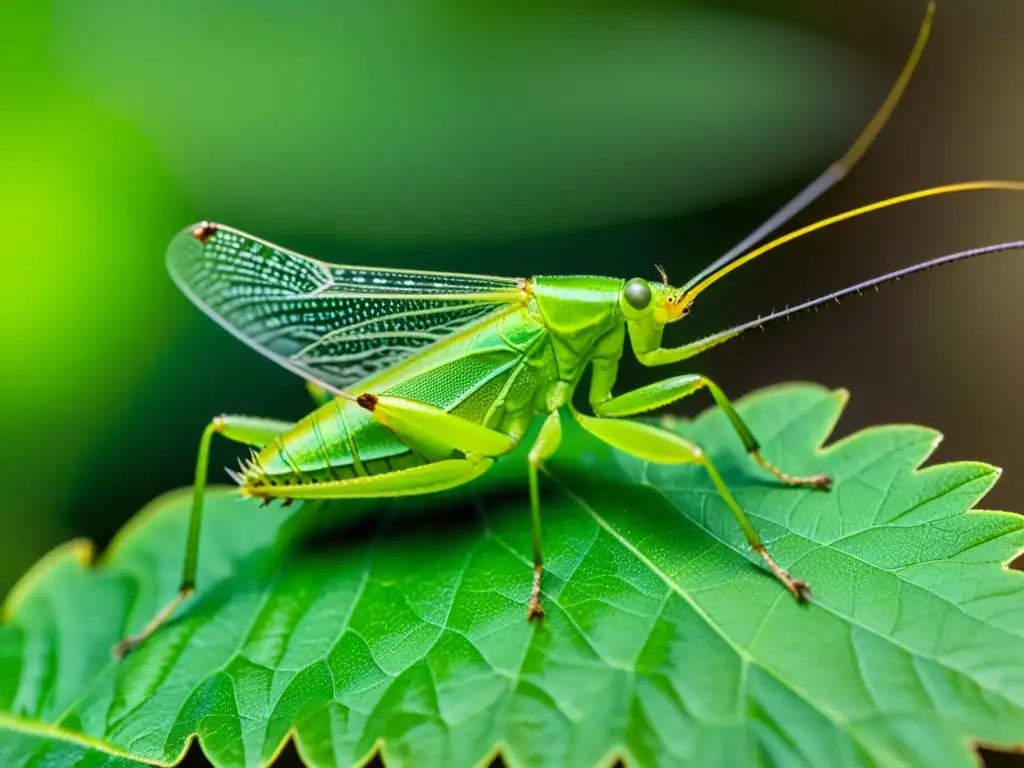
(824, 482)
(238, 478)
(802, 591)
(535, 611)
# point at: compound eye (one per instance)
(638, 293)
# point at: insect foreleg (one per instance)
(546, 444)
(663, 447)
(667, 391)
(240, 429)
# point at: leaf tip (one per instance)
(79, 550)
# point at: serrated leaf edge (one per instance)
(84, 552)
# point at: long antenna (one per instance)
(839, 169)
(730, 333)
(693, 288)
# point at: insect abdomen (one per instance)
(481, 379)
(338, 441)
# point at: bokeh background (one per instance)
(598, 137)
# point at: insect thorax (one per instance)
(577, 311)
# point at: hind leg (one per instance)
(247, 430)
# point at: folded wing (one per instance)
(332, 324)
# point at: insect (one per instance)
(425, 379)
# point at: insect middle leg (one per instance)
(247, 430)
(420, 425)
(546, 444)
(652, 396)
(663, 447)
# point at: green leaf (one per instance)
(665, 643)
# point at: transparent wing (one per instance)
(330, 323)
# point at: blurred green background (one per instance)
(575, 137)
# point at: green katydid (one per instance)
(426, 378)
